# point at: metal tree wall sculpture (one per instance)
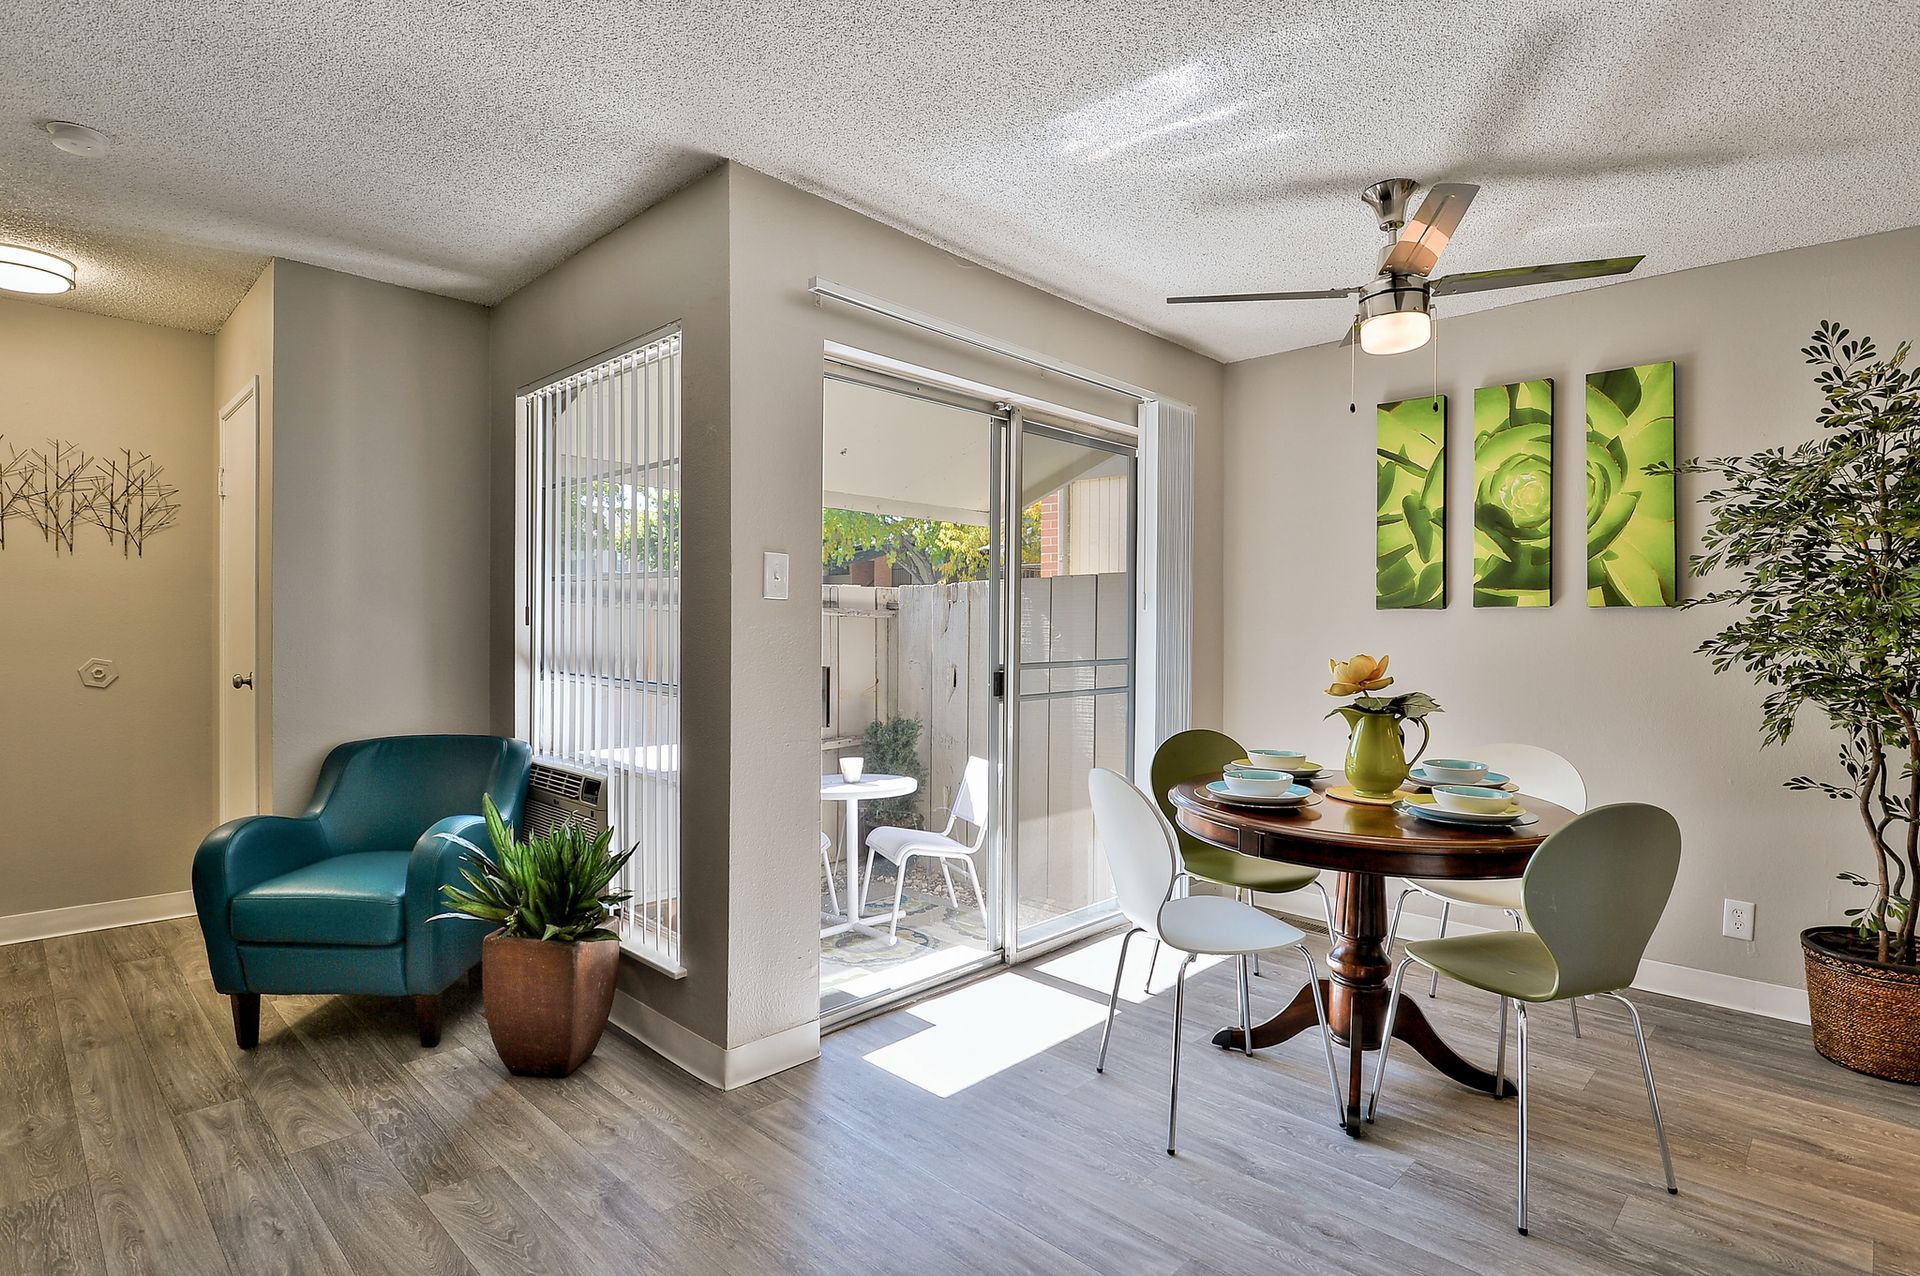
(59, 489)
(131, 502)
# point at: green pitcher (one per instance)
(1377, 760)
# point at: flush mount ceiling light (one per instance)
(77, 139)
(29, 270)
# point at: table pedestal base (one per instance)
(1410, 1025)
(1356, 998)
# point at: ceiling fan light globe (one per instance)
(1395, 332)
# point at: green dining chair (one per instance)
(1184, 755)
(1592, 895)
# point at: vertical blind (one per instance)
(604, 610)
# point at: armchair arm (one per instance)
(240, 854)
(438, 952)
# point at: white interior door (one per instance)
(237, 708)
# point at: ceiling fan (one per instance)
(1396, 304)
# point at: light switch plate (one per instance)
(775, 575)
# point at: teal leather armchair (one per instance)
(338, 900)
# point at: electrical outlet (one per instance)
(1736, 919)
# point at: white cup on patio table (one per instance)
(851, 769)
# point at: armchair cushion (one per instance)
(357, 898)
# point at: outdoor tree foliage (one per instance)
(929, 551)
(1824, 542)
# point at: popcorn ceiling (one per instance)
(1113, 153)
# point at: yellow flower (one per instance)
(1362, 673)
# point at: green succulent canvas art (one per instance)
(1513, 495)
(1631, 555)
(1411, 455)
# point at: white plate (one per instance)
(1464, 818)
(1294, 796)
(1493, 780)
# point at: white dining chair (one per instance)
(826, 866)
(1539, 772)
(898, 845)
(1144, 860)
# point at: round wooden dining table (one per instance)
(1364, 845)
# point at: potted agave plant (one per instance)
(1377, 761)
(1823, 541)
(547, 974)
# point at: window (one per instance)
(603, 609)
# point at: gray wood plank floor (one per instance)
(968, 1134)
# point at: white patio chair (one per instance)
(899, 845)
(826, 866)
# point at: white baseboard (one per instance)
(1729, 992)
(104, 915)
(1709, 988)
(718, 1066)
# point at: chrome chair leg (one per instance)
(1246, 1010)
(1179, 1011)
(1113, 1002)
(1386, 1040)
(1152, 963)
(1326, 907)
(1653, 1098)
(1500, 1055)
(1446, 907)
(1520, 1212)
(1393, 927)
(1245, 896)
(1326, 1038)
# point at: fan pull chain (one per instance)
(1436, 358)
(1353, 374)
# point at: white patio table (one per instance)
(867, 788)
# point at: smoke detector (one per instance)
(77, 139)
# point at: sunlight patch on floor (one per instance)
(1091, 967)
(977, 1031)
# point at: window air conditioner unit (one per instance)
(560, 793)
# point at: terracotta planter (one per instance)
(546, 1002)
(1866, 1013)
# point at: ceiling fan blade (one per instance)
(1429, 231)
(1522, 276)
(1317, 294)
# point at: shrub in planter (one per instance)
(1823, 541)
(548, 972)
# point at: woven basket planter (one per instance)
(1866, 1014)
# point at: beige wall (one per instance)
(380, 517)
(1617, 691)
(106, 794)
(780, 238)
(669, 265)
(243, 349)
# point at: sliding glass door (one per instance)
(1071, 690)
(977, 605)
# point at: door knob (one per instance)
(242, 680)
